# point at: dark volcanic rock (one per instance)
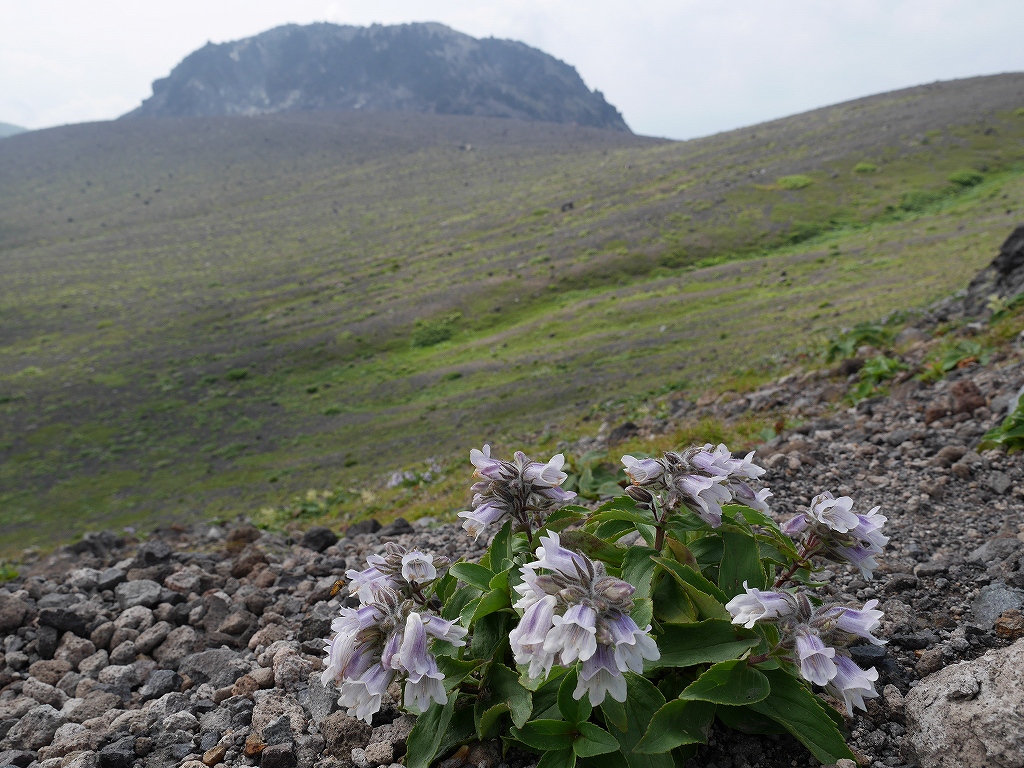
(363, 526)
(318, 538)
(402, 68)
(1003, 277)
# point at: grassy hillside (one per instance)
(203, 315)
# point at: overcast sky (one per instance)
(676, 68)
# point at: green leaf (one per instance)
(488, 634)
(671, 604)
(545, 694)
(729, 682)
(546, 734)
(453, 607)
(473, 574)
(798, 710)
(643, 611)
(741, 562)
(592, 547)
(503, 684)
(460, 730)
(608, 760)
(612, 530)
(708, 606)
(572, 710)
(562, 758)
(642, 516)
(687, 575)
(708, 550)
(746, 720)
(677, 723)
(643, 700)
(455, 670)
(487, 716)
(501, 548)
(500, 580)
(466, 617)
(593, 740)
(445, 587)
(706, 642)
(638, 569)
(493, 601)
(427, 733)
(750, 516)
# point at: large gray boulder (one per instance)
(969, 715)
(1004, 277)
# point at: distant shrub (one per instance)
(794, 182)
(865, 168)
(427, 333)
(1009, 434)
(846, 344)
(918, 200)
(803, 230)
(966, 178)
(236, 374)
(332, 410)
(1019, 112)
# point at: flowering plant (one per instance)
(623, 632)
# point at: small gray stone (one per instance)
(278, 731)
(322, 700)
(995, 550)
(999, 482)
(110, 578)
(141, 592)
(36, 727)
(379, 753)
(85, 579)
(992, 600)
(160, 683)
(220, 668)
(278, 756)
(179, 644)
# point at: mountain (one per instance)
(6, 129)
(424, 67)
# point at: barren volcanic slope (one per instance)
(401, 68)
(203, 314)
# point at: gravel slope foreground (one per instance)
(202, 646)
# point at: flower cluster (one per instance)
(387, 637)
(406, 572)
(831, 527)
(521, 490)
(700, 479)
(575, 611)
(815, 639)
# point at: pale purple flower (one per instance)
(834, 513)
(632, 645)
(573, 635)
(749, 608)
(573, 611)
(859, 623)
(445, 630)
(869, 529)
(744, 494)
(861, 557)
(420, 690)
(363, 582)
(599, 676)
(549, 474)
(796, 525)
(641, 471)
(527, 639)
(363, 695)
(814, 657)
(418, 568)
(852, 684)
(522, 490)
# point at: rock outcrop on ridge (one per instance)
(424, 67)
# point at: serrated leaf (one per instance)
(638, 569)
(592, 547)
(800, 712)
(427, 733)
(643, 612)
(746, 720)
(612, 530)
(729, 682)
(487, 719)
(453, 608)
(574, 711)
(705, 642)
(495, 600)
(456, 670)
(562, 758)
(473, 574)
(501, 548)
(593, 740)
(460, 730)
(504, 686)
(488, 634)
(643, 700)
(671, 604)
(500, 580)
(546, 734)
(741, 562)
(687, 575)
(708, 550)
(675, 724)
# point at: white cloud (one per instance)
(676, 68)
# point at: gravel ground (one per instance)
(202, 646)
